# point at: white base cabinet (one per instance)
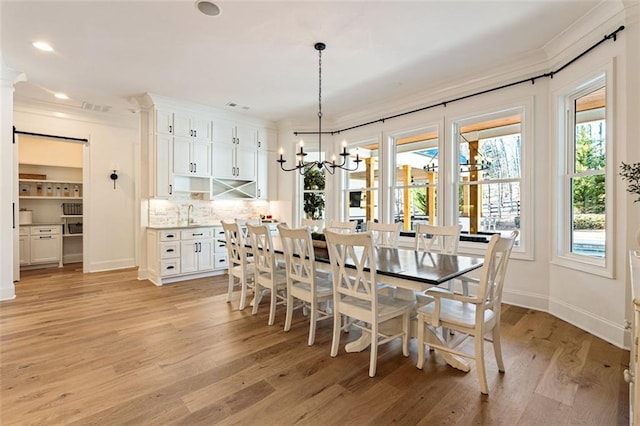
(40, 245)
(180, 254)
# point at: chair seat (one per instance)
(238, 271)
(454, 312)
(388, 307)
(324, 288)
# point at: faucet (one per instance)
(189, 209)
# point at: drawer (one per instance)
(220, 261)
(196, 234)
(219, 246)
(218, 233)
(170, 267)
(170, 235)
(45, 230)
(170, 250)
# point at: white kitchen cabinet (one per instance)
(183, 253)
(220, 253)
(44, 244)
(187, 125)
(164, 122)
(192, 157)
(235, 160)
(24, 246)
(235, 151)
(162, 178)
(634, 361)
(267, 167)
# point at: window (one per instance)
(583, 223)
(489, 173)
(313, 191)
(416, 179)
(362, 185)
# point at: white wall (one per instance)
(110, 216)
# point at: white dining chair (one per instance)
(268, 276)
(239, 265)
(356, 296)
(440, 239)
(343, 227)
(472, 315)
(384, 234)
(304, 283)
(242, 223)
(315, 225)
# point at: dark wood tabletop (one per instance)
(410, 265)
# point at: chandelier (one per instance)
(303, 166)
(479, 163)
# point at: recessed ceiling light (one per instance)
(61, 96)
(208, 8)
(43, 45)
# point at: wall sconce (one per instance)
(114, 178)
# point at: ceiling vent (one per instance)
(97, 108)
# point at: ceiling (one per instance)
(260, 54)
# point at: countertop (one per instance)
(199, 225)
(42, 224)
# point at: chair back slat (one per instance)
(314, 225)
(349, 255)
(384, 234)
(442, 239)
(298, 253)
(234, 241)
(263, 253)
(494, 270)
(343, 227)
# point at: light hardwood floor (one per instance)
(105, 349)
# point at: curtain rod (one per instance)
(550, 74)
(19, 132)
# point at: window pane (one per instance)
(421, 207)
(500, 210)
(590, 131)
(416, 179)
(361, 194)
(314, 203)
(313, 191)
(588, 219)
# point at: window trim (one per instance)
(525, 106)
(561, 253)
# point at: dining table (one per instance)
(410, 272)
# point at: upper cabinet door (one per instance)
(182, 125)
(191, 126)
(201, 158)
(164, 122)
(182, 164)
(245, 136)
(222, 131)
(201, 128)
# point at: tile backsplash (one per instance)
(176, 212)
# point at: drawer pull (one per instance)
(170, 250)
(171, 236)
(171, 267)
(197, 235)
(44, 230)
(48, 237)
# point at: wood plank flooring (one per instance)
(105, 348)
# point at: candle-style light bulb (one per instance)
(281, 152)
(344, 146)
